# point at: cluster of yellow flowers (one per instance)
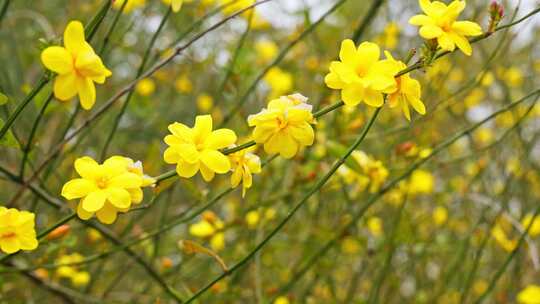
(73, 273)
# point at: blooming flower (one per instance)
(176, 5)
(360, 75)
(17, 230)
(197, 148)
(284, 126)
(244, 163)
(106, 189)
(407, 91)
(77, 66)
(529, 295)
(439, 22)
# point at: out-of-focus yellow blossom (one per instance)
(498, 233)
(375, 226)
(77, 66)
(281, 300)
(439, 22)
(440, 67)
(407, 91)
(425, 153)
(360, 75)
(389, 36)
(197, 148)
(456, 75)
(312, 63)
(474, 97)
(373, 169)
(513, 165)
(17, 231)
(270, 214)
(72, 272)
(244, 163)
(484, 135)
(535, 227)
(266, 50)
(145, 87)
(131, 4)
(280, 82)
(252, 219)
(350, 245)
(205, 103)
(529, 295)
(183, 84)
(421, 182)
(512, 76)
(284, 126)
(106, 189)
(176, 5)
(440, 215)
(487, 79)
(479, 287)
(94, 235)
(209, 227)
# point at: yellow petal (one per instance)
(57, 59)
(430, 31)
(347, 52)
(87, 92)
(94, 201)
(215, 161)
(406, 111)
(467, 28)
(445, 42)
(220, 139)
(420, 20)
(333, 81)
(28, 242)
(373, 98)
(369, 52)
(88, 64)
(83, 214)
(171, 156)
(203, 127)
(136, 195)
(303, 133)
(418, 105)
(9, 245)
(188, 152)
(462, 43)
(65, 86)
(177, 5)
(187, 170)
(74, 40)
(206, 172)
(182, 131)
(107, 214)
(125, 180)
(78, 188)
(86, 167)
(119, 197)
(352, 94)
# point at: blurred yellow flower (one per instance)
(408, 91)
(266, 50)
(209, 227)
(106, 189)
(130, 5)
(281, 300)
(205, 103)
(373, 169)
(529, 295)
(498, 233)
(512, 76)
(375, 226)
(421, 181)
(280, 82)
(244, 164)
(183, 84)
(350, 245)
(175, 4)
(252, 219)
(78, 278)
(145, 87)
(17, 230)
(535, 227)
(439, 22)
(77, 66)
(440, 215)
(360, 75)
(285, 126)
(389, 36)
(197, 148)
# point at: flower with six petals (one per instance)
(244, 163)
(17, 230)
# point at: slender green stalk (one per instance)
(3, 10)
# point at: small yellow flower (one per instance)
(183, 84)
(266, 50)
(17, 230)
(529, 295)
(205, 103)
(408, 91)
(280, 82)
(421, 181)
(145, 87)
(131, 5)
(281, 300)
(440, 215)
(197, 148)
(498, 233)
(360, 75)
(72, 272)
(77, 66)
(375, 226)
(244, 163)
(285, 126)
(176, 5)
(374, 172)
(210, 227)
(535, 227)
(390, 35)
(439, 22)
(106, 189)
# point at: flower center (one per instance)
(361, 70)
(8, 235)
(282, 123)
(102, 183)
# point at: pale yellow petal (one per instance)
(220, 139)
(94, 201)
(87, 92)
(78, 188)
(215, 161)
(57, 59)
(65, 86)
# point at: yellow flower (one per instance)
(77, 66)
(389, 37)
(266, 50)
(408, 91)
(529, 295)
(440, 215)
(375, 226)
(106, 189)
(210, 227)
(244, 163)
(421, 181)
(145, 87)
(439, 22)
(281, 300)
(205, 103)
(284, 127)
(17, 230)
(175, 4)
(183, 84)
(197, 148)
(131, 5)
(252, 219)
(78, 278)
(360, 75)
(498, 233)
(373, 170)
(280, 82)
(535, 227)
